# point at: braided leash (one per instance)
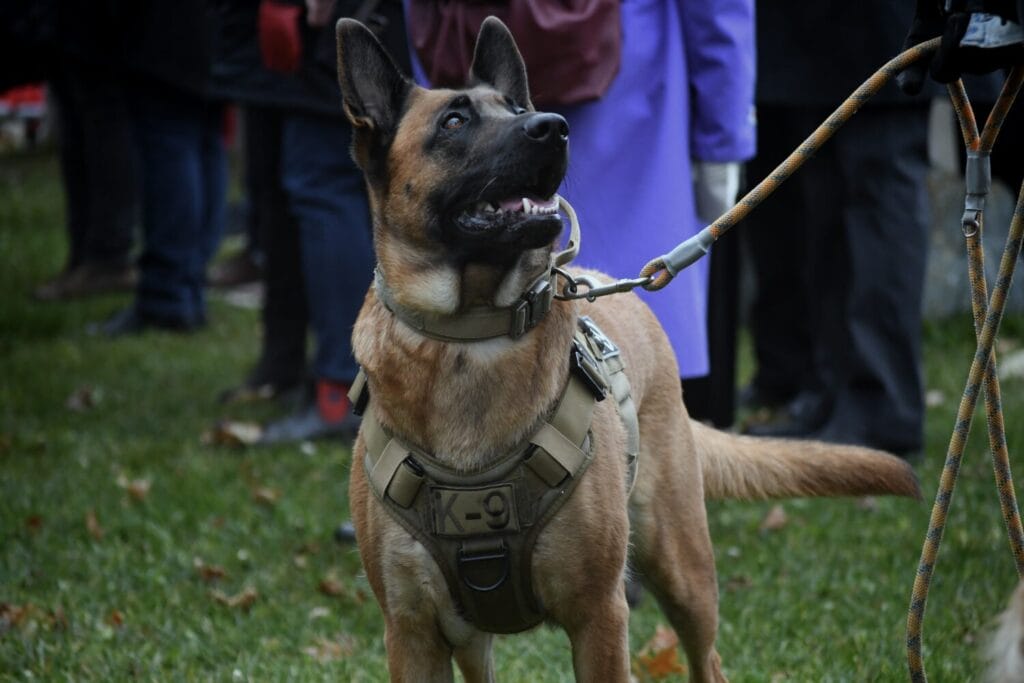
(987, 317)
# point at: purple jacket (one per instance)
(685, 90)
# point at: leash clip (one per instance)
(594, 288)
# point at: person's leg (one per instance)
(72, 164)
(774, 239)
(713, 397)
(112, 166)
(327, 196)
(282, 362)
(798, 312)
(181, 196)
(885, 162)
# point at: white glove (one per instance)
(715, 186)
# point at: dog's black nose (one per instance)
(547, 128)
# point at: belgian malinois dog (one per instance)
(462, 187)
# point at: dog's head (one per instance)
(460, 181)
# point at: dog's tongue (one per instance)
(525, 204)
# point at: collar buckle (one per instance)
(532, 307)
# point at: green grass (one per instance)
(821, 599)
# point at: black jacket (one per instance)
(817, 53)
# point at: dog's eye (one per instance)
(453, 121)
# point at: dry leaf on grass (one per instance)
(29, 617)
(83, 399)
(115, 618)
(232, 434)
(34, 523)
(738, 582)
(208, 572)
(243, 600)
(137, 489)
(92, 525)
(330, 585)
(326, 650)
(659, 657)
(266, 496)
(775, 519)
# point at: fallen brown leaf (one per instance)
(326, 650)
(92, 525)
(659, 657)
(83, 399)
(243, 600)
(115, 618)
(775, 519)
(34, 523)
(137, 489)
(738, 582)
(232, 434)
(329, 585)
(266, 496)
(58, 620)
(208, 572)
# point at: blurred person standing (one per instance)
(839, 252)
(164, 51)
(659, 155)
(311, 200)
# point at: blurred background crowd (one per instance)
(149, 101)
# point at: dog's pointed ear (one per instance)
(372, 88)
(497, 62)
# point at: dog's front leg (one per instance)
(600, 641)
(474, 659)
(417, 654)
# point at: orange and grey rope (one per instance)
(987, 317)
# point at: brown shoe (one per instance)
(88, 279)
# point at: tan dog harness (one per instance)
(481, 527)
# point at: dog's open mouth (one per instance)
(526, 221)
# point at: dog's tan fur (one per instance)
(469, 402)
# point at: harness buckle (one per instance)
(483, 566)
(604, 347)
(532, 307)
(585, 367)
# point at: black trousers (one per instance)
(99, 164)
(285, 314)
(839, 257)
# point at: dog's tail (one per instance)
(748, 468)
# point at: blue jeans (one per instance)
(327, 197)
(184, 177)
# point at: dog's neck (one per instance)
(466, 403)
(477, 319)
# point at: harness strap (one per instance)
(478, 323)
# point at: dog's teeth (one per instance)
(527, 206)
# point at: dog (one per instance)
(462, 187)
